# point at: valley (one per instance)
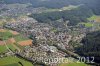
(49, 33)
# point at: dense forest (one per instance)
(75, 16)
(91, 46)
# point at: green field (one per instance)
(87, 24)
(20, 38)
(74, 64)
(95, 17)
(70, 7)
(13, 61)
(3, 48)
(5, 35)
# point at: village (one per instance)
(37, 40)
(39, 43)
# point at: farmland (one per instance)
(20, 38)
(87, 24)
(8, 39)
(6, 34)
(7, 42)
(3, 48)
(70, 7)
(75, 64)
(13, 61)
(95, 17)
(49, 33)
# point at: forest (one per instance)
(74, 16)
(91, 46)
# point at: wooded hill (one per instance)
(74, 16)
(91, 46)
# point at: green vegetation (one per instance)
(74, 16)
(13, 61)
(14, 64)
(20, 38)
(54, 30)
(5, 35)
(87, 24)
(91, 46)
(69, 62)
(95, 17)
(74, 64)
(3, 48)
(70, 7)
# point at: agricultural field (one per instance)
(95, 17)
(70, 7)
(87, 24)
(6, 34)
(73, 64)
(14, 61)
(3, 48)
(20, 38)
(9, 39)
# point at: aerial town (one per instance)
(32, 36)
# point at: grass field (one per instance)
(73, 64)
(5, 35)
(3, 48)
(70, 7)
(94, 17)
(87, 24)
(13, 61)
(20, 38)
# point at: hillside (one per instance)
(49, 32)
(91, 46)
(93, 4)
(74, 16)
